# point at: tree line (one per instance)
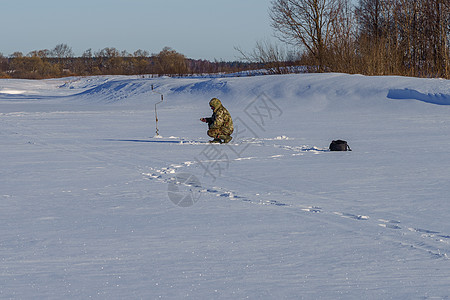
(61, 61)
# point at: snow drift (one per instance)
(434, 98)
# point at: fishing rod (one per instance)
(156, 113)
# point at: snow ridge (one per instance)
(434, 98)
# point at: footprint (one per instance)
(313, 209)
(423, 230)
(391, 224)
(352, 216)
(389, 221)
(444, 236)
(273, 202)
(152, 175)
(226, 194)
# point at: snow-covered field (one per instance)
(93, 205)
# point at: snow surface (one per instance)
(93, 205)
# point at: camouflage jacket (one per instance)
(221, 118)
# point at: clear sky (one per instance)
(199, 29)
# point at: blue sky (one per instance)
(200, 29)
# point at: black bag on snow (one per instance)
(339, 145)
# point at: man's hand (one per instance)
(203, 120)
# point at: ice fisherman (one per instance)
(220, 124)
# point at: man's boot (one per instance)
(215, 141)
(225, 138)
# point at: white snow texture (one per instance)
(95, 205)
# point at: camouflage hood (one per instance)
(215, 103)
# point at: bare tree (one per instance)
(270, 55)
(342, 54)
(62, 51)
(108, 52)
(3, 66)
(404, 37)
(307, 23)
(140, 62)
(40, 53)
(369, 14)
(169, 61)
(111, 60)
(444, 20)
(378, 37)
(141, 53)
(437, 19)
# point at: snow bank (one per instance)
(434, 98)
(315, 91)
